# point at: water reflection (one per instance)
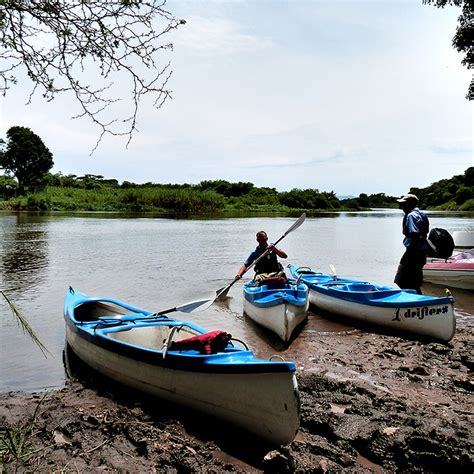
(24, 252)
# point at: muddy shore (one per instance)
(370, 402)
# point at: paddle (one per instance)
(191, 307)
(221, 293)
(334, 274)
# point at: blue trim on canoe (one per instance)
(233, 361)
(264, 296)
(361, 292)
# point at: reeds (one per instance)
(108, 198)
(25, 326)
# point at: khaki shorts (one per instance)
(262, 276)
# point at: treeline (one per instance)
(456, 193)
(95, 193)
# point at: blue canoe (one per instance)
(279, 304)
(402, 310)
(137, 348)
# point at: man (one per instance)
(266, 266)
(415, 228)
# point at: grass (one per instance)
(15, 442)
(108, 198)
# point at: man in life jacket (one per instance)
(415, 228)
(266, 266)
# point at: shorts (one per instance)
(410, 270)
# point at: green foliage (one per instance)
(95, 193)
(309, 199)
(114, 198)
(225, 188)
(26, 157)
(364, 201)
(468, 205)
(8, 186)
(447, 194)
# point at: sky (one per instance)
(344, 96)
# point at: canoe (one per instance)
(158, 356)
(279, 305)
(456, 271)
(401, 310)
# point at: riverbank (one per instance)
(371, 402)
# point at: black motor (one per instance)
(440, 243)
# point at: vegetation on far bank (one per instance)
(28, 184)
(94, 193)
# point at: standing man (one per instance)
(415, 228)
(266, 266)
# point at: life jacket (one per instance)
(208, 343)
(268, 264)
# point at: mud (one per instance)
(370, 402)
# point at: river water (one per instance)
(156, 263)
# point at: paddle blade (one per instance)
(221, 293)
(300, 220)
(196, 306)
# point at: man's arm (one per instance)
(279, 252)
(241, 271)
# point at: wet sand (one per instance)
(370, 402)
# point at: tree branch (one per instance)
(62, 45)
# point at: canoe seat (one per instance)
(361, 287)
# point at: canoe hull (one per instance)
(401, 310)
(463, 279)
(281, 310)
(282, 319)
(457, 271)
(263, 402)
(435, 320)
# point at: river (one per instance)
(156, 263)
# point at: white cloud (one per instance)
(220, 36)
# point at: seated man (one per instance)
(268, 264)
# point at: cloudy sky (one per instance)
(346, 96)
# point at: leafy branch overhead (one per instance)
(463, 39)
(63, 46)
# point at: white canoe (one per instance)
(260, 396)
(401, 310)
(279, 308)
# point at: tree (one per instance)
(26, 157)
(463, 39)
(56, 42)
